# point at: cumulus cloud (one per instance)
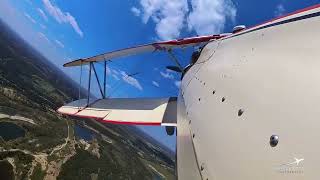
(135, 11)
(42, 14)
(30, 18)
(210, 16)
(62, 17)
(280, 10)
(168, 74)
(155, 84)
(59, 43)
(172, 17)
(131, 80)
(168, 15)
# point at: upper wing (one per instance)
(139, 111)
(166, 45)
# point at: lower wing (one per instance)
(135, 111)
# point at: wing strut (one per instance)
(174, 59)
(101, 89)
(80, 83)
(96, 75)
(104, 79)
(89, 83)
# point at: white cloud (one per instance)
(115, 72)
(155, 84)
(210, 16)
(30, 18)
(42, 14)
(168, 74)
(177, 83)
(62, 17)
(280, 10)
(172, 17)
(43, 36)
(108, 70)
(115, 77)
(43, 26)
(169, 16)
(135, 11)
(131, 80)
(59, 43)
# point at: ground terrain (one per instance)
(51, 146)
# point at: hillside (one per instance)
(38, 143)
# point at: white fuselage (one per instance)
(242, 90)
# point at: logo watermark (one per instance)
(294, 167)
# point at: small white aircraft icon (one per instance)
(297, 161)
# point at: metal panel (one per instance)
(187, 166)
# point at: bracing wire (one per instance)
(118, 84)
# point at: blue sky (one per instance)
(66, 30)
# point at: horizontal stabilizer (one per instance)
(135, 111)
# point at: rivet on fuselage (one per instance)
(193, 135)
(201, 168)
(223, 99)
(274, 140)
(240, 112)
(213, 91)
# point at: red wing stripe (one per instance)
(133, 123)
(113, 121)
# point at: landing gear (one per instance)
(170, 130)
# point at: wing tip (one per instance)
(76, 62)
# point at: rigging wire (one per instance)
(119, 83)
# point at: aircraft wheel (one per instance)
(170, 130)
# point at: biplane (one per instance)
(248, 105)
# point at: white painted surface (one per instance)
(187, 166)
(273, 75)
